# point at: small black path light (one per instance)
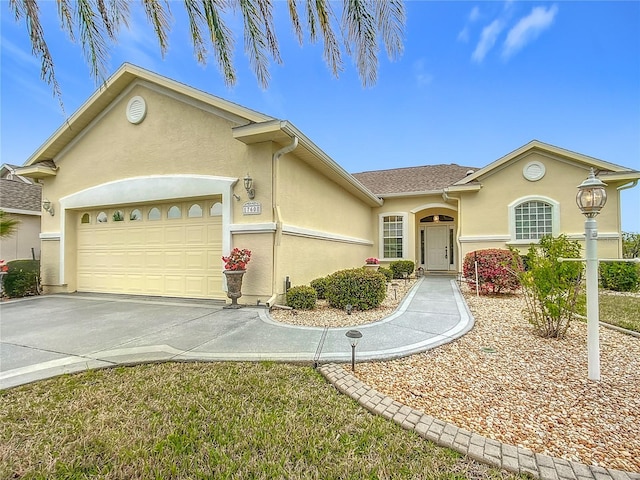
(354, 337)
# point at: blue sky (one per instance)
(476, 81)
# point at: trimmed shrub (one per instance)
(362, 289)
(620, 276)
(400, 267)
(386, 272)
(320, 286)
(498, 270)
(551, 288)
(22, 278)
(302, 297)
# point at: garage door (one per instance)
(170, 249)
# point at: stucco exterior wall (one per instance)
(486, 216)
(26, 237)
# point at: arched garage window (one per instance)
(531, 218)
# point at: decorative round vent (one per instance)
(533, 171)
(136, 110)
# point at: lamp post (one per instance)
(591, 197)
(354, 337)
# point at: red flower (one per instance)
(237, 259)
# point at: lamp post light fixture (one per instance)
(248, 186)
(354, 337)
(591, 197)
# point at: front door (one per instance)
(438, 248)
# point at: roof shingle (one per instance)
(412, 179)
(18, 195)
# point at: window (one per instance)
(154, 214)
(215, 210)
(195, 211)
(174, 212)
(118, 216)
(531, 218)
(135, 215)
(393, 236)
(102, 217)
(85, 218)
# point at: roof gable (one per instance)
(123, 79)
(604, 169)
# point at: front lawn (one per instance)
(622, 310)
(209, 420)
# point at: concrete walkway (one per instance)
(41, 337)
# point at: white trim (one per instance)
(19, 211)
(604, 236)
(405, 234)
(269, 227)
(484, 238)
(555, 216)
(50, 236)
(433, 205)
(319, 235)
(148, 189)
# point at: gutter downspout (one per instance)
(276, 214)
(620, 188)
(447, 198)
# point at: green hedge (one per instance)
(386, 272)
(620, 276)
(400, 267)
(22, 278)
(302, 297)
(320, 286)
(361, 288)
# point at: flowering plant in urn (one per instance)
(237, 259)
(3, 266)
(372, 261)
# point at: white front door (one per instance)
(438, 248)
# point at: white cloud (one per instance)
(487, 40)
(528, 29)
(474, 15)
(421, 75)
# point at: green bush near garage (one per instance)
(22, 278)
(320, 286)
(386, 272)
(362, 289)
(302, 297)
(402, 267)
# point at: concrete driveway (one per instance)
(41, 337)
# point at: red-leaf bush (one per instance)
(498, 270)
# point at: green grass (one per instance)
(623, 311)
(209, 420)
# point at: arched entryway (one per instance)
(436, 242)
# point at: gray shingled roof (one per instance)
(19, 195)
(412, 179)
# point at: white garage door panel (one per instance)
(170, 257)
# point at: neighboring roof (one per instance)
(127, 75)
(19, 197)
(413, 180)
(605, 170)
(8, 172)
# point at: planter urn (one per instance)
(372, 266)
(234, 286)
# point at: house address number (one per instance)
(252, 208)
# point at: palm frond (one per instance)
(92, 40)
(221, 39)
(28, 9)
(254, 41)
(266, 13)
(391, 20)
(8, 225)
(331, 53)
(196, 18)
(295, 20)
(359, 25)
(159, 19)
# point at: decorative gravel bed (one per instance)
(503, 382)
(325, 316)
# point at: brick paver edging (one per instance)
(482, 449)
